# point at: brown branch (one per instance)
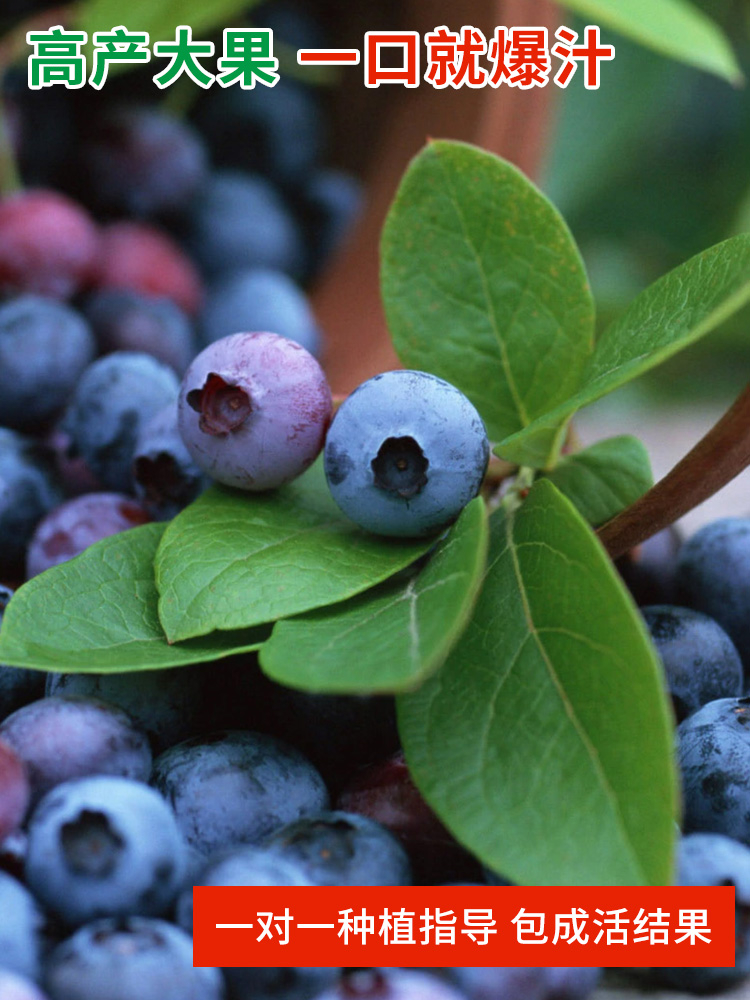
(715, 461)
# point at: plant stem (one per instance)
(715, 461)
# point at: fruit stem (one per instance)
(715, 461)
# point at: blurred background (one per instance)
(648, 170)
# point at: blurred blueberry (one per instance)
(18, 686)
(13, 987)
(124, 320)
(259, 300)
(114, 400)
(240, 220)
(333, 199)
(21, 925)
(44, 348)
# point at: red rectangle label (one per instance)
(419, 926)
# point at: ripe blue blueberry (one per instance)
(124, 320)
(650, 569)
(700, 660)
(711, 859)
(246, 865)
(44, 348)
(124, 959)
(253, 410)
(166, 477)
(63, 738)
(30, 489)
(240, 220)
(114, 400)
(236, 787)
(714, 758)
(104, 847)
(502, 983)
(70, 528)
(713, 576)
(333, 200)
(259, 299)
(405, 453)
(166, 705)
(21, 924)
(270, 983)
(338, 848)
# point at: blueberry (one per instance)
(114, 400)
(166, 477)
(143, 162)
(391, 984)
(69, 529)
(405, 453)
(700, 661)
(714, 757)
(571, 983)
(711, 859)
(13, 987)
(292, 24)
(650, 569)
(21, 924)
(260, 299)
(14, 791)
(713, 576)
(122, 960)
(253, 410)
(339, 848)
(104, 847)
(29, 488)
(44, 348)
(18, 686)
(124, 320)
(236, 787)
(167, 705)
(72, 471)
(240, 220)
(63, 738)
(146, 260)
(48, 245)
(269, 983)
(282, 129)
(386, 793)
(245, 865)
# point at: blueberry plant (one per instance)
(531, 701)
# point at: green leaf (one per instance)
(674, 28)
(233, 560)
(160, 19)
(97, 613)
(483, 285)
(678, 309)
(390, 638)
(604, 479)
(545, 741)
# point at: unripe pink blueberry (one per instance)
(254, 409)
(49, 245)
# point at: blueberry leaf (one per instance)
(545, 741)
(234, 560)
(97, 613)
(604, 479)
(483, 285)
(394, 636)
(675, 28)
(674, 312)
